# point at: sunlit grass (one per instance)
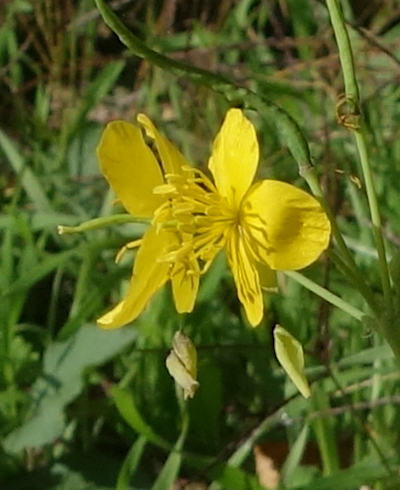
(83, 408)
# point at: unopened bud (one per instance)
(182, 364)
(289, 353)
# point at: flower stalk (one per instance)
(353, 102)
(103, 222)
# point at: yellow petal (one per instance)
(289, 353)
(149, 275)
(130, 168)
(171, 158)
(185, 285)
(286, 226)
(246, 278)
(234, 157)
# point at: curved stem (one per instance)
(289, 130)
(326, 295)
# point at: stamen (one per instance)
(165, 189)
(129, 246)
(182, 208)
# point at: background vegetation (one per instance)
(84, 409)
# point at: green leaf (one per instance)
(234, 478)
(63, 366)
(131, 463)
(207, 405)
(96, 92)
(367, 356)
(45, 426)
(360, 474)
(29, 181)
(324, 429)
(170, 470)
(295, 455)
(36, 272)
(127, 408)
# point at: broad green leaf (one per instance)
(63, 366)
(289, 353)
(45, 426)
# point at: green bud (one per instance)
(289, 353)
(182, 364)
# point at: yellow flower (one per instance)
(264, 227)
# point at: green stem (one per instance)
(326, 295)
(96, 223)
(137, 47)
(375, 216)
(309, 175)
(345, 51)
(352, 96)
(289, 130)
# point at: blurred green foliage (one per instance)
(82, 408)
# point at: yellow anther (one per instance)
(164, 189)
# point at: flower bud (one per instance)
(289, 353)
(182, 364)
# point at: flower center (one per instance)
(197, 214)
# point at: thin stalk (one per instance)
(324, 429)
(326, 295)
(97, 223)
(345, 51)
(353, 98)
(375, 216)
